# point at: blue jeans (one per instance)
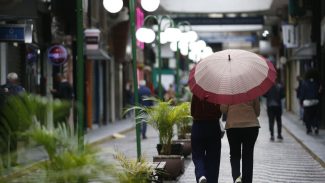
(206, 148)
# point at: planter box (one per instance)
(187, 147)
(176, 149)
(174, 165)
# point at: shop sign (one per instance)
(57, 54)
(290, 36)
(16, 32)
(92, 39)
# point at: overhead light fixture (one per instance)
(265, 33)
(215, 15)
(150, 5)
(145, 35)
(113, 6)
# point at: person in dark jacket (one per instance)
(12, 87)
(206, 140)
(144, 92)
(310, 96)
(64, 89)
(274, 108)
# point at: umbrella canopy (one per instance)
(231, 76)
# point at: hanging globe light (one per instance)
(145, 35)
(113, 6)
(150, 5)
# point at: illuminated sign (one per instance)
(57, 55)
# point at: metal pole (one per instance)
(80, 75)
(135, 76)
(177, 71)
(159, 61)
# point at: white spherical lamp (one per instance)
(113, 6)
(145, 35)
(150, 5)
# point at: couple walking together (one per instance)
(242, 127)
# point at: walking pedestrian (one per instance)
(274, 108)
(310, 96)
(242, 127)
(63, 90)
(144, 92)
(206, 140)
(298, 95)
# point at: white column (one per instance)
(3, 62)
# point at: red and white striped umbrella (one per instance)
(231, 76)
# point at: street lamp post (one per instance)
(80, 75)
(135, 76)
(115, 6)
(142, 31)
(186, 37)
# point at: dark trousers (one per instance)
(241, 143)
(311, 117)
(274, 114)
(144, 129)
(206, 148)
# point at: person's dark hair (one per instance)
(311, 74)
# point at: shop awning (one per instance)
(98, 54)
(304, 52)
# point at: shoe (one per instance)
(280, 137)
(238, 180)
(145, 137)
(203, 179)
(308, 132)
(272, 138)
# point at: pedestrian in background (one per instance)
(298, 95)
(242, 127)
(12, 87)
(206, 140)
(310, 96)
(64, 89)
(170, 94)
(128, 97)
(144, 92)
(274, 108)
(187, 95)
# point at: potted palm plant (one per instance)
(66, 162)
(183, 128)
(17, 115)
(163, 117)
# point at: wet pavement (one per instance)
(279, 161)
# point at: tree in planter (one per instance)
(183, 125)
(162, 116)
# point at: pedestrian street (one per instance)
(274, 162)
